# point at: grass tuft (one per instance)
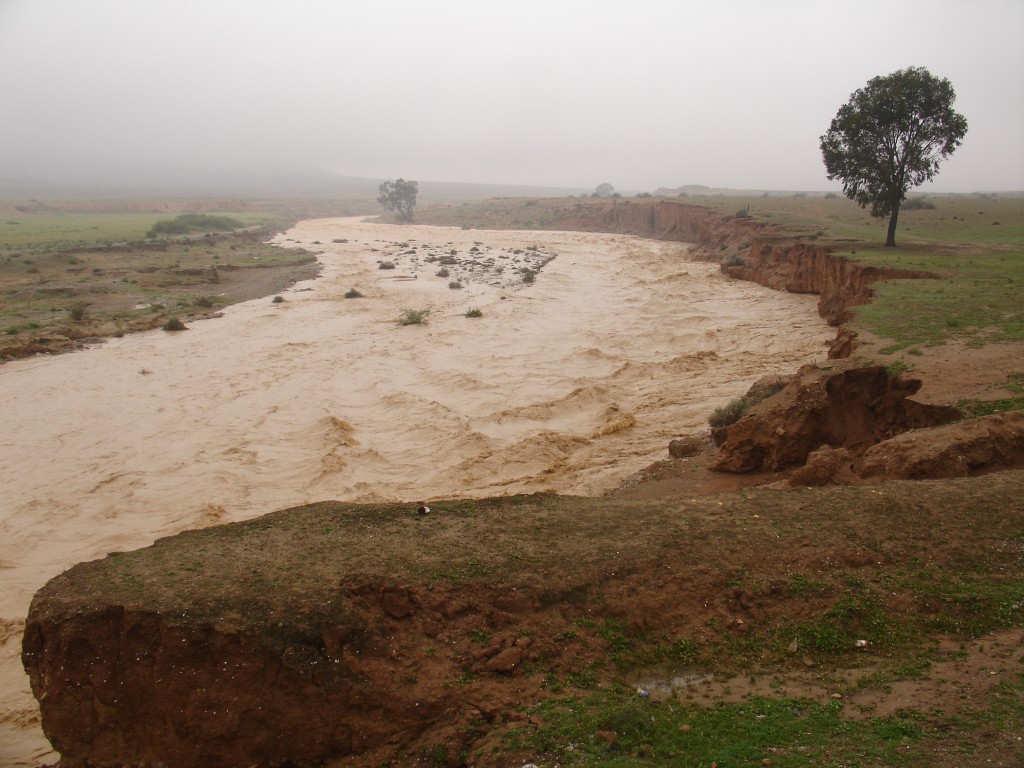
(413, 316)
(729, 414)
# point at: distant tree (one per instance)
(604, 190)
(890, 137)
(399, 196)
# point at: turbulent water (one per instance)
(568, 383)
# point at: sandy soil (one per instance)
(571, 384)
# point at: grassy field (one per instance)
(975, 244)
(84, 269)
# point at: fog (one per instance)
(642, 94)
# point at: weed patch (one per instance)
(729, 414)
(615, 728)
(413, 316)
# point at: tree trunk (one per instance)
(890, 237)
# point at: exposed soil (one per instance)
(456, 623)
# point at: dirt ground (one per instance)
(483, 609)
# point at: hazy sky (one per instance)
(639, 93)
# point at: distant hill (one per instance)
(237, 183)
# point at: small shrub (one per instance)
(734, 261)
(203, 301)
(386, 265)
(455, 285)
(442, 272)
(474, 312)
(174, 324)
(192, 222)
(918, 204)
(78, 312)
(413, 316)
(277, 299)
(729, 414)
(528, 276)
(352, 293)
(11, 330)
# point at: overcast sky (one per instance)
(639, 93)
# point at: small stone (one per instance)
(686, 728)
(808, 661)
(794, 646)
(836, 696)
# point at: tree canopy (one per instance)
(399, 196)
(890, 137)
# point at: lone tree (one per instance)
(399, 196)
(890, 137)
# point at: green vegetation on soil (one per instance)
(788, 731)
(195, 222)
(905, 564)
(974, 243)
(87, 269)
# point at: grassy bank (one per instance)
(974, 242)
(83, 269)
(873, 626)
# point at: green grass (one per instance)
(184, 223)
(78, 229)
(793, 732)
(979, 296)
(973, 409)
(729, 413)
(955, 218)
(410, 316)
(63, 229)
(54, 258)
